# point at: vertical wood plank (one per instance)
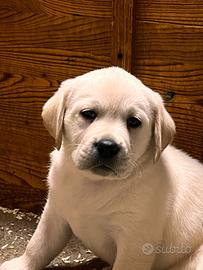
(123, 13)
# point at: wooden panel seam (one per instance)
(123, 13)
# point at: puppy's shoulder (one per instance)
(54, 156)
(182, 167)
(172, 154)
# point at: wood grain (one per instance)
(33, 42)
(68, 33)
(90, 8)
(182, 12)
(24, 143)
(169, 59)
(49, 63)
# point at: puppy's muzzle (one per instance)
(106, 149)
(105, 152)
(104, 157)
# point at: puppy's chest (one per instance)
(90, 216)
(84, 210)
(92, 228)
(90, 206)
(78, 198)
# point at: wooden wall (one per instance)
(43, 42)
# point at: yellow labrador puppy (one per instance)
(114, 180)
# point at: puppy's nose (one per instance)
(107, 148)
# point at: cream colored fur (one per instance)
(149, 203)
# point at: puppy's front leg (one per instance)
(49, 239)
(129, 259)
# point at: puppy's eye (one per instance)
(88, 114)
(133, 122)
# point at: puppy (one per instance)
(114, 180)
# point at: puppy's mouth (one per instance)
(103, 170)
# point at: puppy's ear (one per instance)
(164, 129)
(53, 113)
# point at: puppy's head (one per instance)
(108, 122)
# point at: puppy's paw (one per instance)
(17, 264)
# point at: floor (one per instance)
(16, 228)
